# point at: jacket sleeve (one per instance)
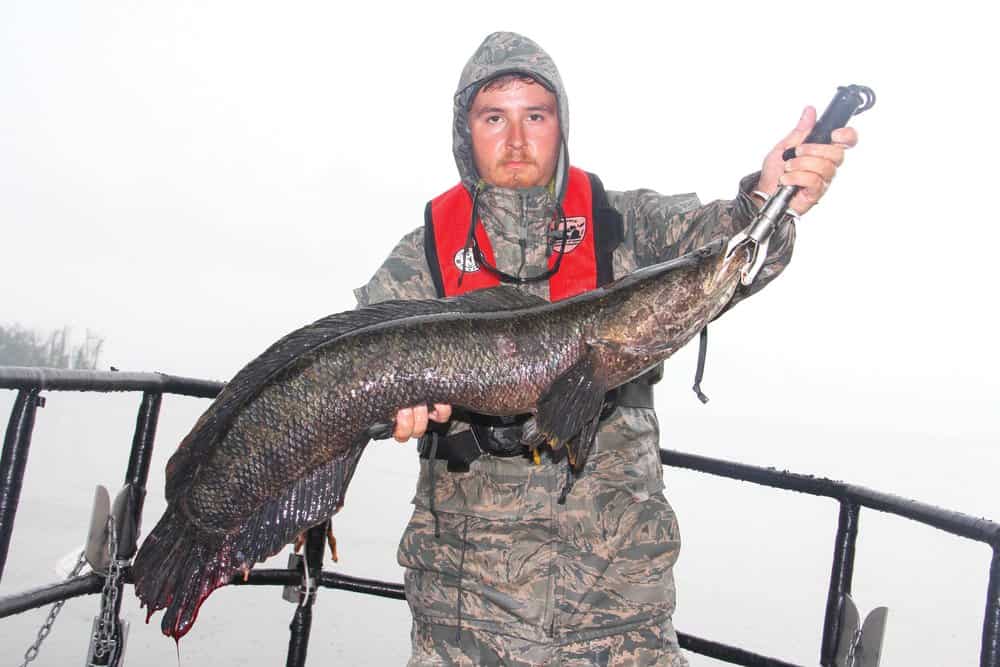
(659, 228)
(403, 275)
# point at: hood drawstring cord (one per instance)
(473, 245)
(700, 370)
(568, 485)
(431, 459)
(470, 240)
(461, 571)
(559, 232)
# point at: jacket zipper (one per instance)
(523, 241)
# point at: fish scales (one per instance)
(275, 452)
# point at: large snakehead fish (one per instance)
(275, 452)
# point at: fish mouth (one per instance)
(730, 266)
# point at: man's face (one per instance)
(515, 134)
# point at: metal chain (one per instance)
(852, 652)
(46, 628)
(106, 636)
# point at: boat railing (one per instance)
(303, 582)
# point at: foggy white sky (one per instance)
(193, 180)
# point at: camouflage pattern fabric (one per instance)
(646, 646)
(514, 578)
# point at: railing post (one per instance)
(840, 577)
(990, 654)
(16, 443)
(298, 641)
(142, 447)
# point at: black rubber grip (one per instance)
(848, 101)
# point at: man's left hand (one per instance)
(813, 166)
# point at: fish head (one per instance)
(662, 313)
(686, 299)
(655, 311)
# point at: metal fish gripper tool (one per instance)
(849, 101)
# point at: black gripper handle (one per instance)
(848, 101)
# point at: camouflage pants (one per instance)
(653, 645)
(531, 581)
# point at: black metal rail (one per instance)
(852, 498)
(16, 443)
(29, 382)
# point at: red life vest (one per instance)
(593, 228)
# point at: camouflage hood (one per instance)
(505, 53)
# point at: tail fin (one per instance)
(177, 568)
(180, 564)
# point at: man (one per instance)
(506, 561)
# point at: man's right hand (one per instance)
(412, 422)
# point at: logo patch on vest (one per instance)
(469, 258)
(576, 229)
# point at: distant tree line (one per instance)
(20, 346)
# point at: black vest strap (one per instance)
(609, 231)
(458, 450)
(430, 251)
(462, 448)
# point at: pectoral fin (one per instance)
(570, 405)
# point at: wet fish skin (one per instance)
(274, 454)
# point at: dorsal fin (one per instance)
(693, 258)
(291, 349)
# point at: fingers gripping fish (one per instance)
(275, 452)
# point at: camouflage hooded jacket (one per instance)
(521, 564)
